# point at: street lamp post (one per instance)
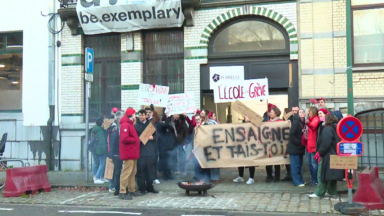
(349, 58)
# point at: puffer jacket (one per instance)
(101, 136)
(312, 133)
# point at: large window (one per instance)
(368, 31)
(11, 66)
(164, 59)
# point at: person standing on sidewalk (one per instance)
(241, 169)
(114, 153)
(129, 148)
(154, 118)
(312, 123)
(100, 154)
(296, 149)
(326, 176)
(215, 172)
(147, 163)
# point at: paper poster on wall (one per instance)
(224, 74)
(242, 145)
(255, 89)
(181, 103)
(153, 94)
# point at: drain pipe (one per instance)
(51, 86)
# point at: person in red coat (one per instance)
(129, 148)
(312, 124)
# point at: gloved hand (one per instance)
(152, 107)
(317, 157)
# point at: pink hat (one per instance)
(115, 109)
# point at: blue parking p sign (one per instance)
(89, 60)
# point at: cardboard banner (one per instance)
(153, 94)
(287, 115)
(338, 162)
(109, 167)
(255, 89)
(225, 74)
(242, 145)
(107, 16)
(107, 123)
(149, 130)
(243, 109)
(181, 103)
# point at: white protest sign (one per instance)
(225, 74)
(181, 103)
(153, 94)
(255, 89)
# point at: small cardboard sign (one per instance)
(243, 109)
(338, 162)
(109, 167)
(287, 115)
(149, 130)
(107, 123)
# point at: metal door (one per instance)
(106, 85)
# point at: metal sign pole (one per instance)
(87, 90)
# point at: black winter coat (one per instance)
(114, 139)
(166, 137)
(150, 149)
(328, 142)
(295, 147)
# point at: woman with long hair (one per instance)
(327, 177)
(296, 149)
(312, 123)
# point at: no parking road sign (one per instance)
(349, 129)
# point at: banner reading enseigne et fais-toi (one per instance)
(105, 16)
(242, 145)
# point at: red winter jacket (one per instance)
(129, 140)
(312, 133)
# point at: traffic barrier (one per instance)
(26, 180)
(370, 192)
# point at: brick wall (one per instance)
(72, 74)
(323, 54)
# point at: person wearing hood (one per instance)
(147, 163)
(114, 154)
(100, 154)
(328, 143)
(296, 149)
(129, 149)
(215, 172)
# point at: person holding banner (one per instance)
(200, 174)
(215, 172)
(241, 169)
(274, 114)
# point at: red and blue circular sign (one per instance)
(349, 129)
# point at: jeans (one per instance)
(200, 173)
(313, 166)
(215, 174)
(98, 168)
(328, 186)
(181, 158)
(296, 167)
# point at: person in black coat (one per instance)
(327, 177)
(296, 150)
(166, 139)
(114, 153)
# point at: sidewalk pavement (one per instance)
(259, 197)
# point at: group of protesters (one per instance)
(312, 134)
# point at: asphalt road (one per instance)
(39, 210)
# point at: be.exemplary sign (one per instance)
(153, 94)
(255, 89)
(181, 103)
(242, 145)
(104, 16)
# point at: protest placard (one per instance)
(181, 103)
(244, 110)
(148, 131)
(242, 145)
(255, 89)
(338, 162)
(153, 94)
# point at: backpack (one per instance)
(92, 143)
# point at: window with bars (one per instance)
(106, 85)
(164, 59)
